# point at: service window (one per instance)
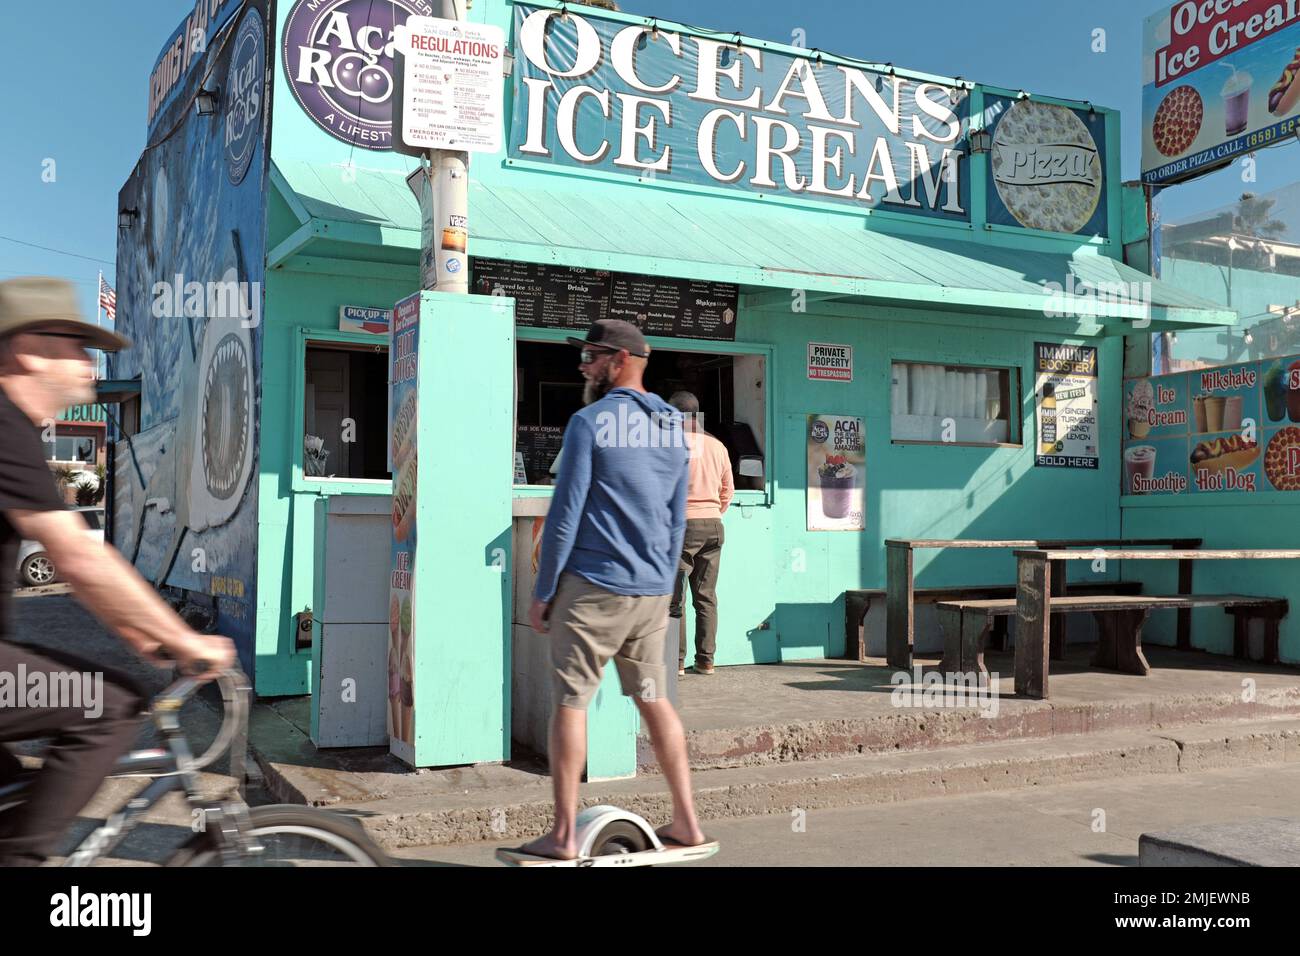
(345, 412)
(730, 388)
(78, 448)
(955, 404)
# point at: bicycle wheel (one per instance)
(291, 835)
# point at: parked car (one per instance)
(35, 567)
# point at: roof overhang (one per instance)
(370, 219)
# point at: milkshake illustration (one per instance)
(837, 477)
(1141, 401)
(1236, 102)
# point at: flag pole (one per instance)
(99, 308)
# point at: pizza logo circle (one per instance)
(243, 96)
(1046, 167)
(1282, 459)
(1177, 121)
(338, 60)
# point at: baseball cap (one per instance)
(45, 304)
(614, 334)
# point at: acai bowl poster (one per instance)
(836, 473)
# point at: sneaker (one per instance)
(706, 669)
(681, 671)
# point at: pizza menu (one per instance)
(561, 297)
(1233, 428)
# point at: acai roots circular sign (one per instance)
(338, 60)
(243, 96)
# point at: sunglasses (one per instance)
(588, 356)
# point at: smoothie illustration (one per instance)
(837, 477)
(1275, 392)
(1236, 102)
(1139, 460)
(1140, 403)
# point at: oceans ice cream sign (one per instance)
(638, 101)
(1220, 77)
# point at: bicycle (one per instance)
(230, 832)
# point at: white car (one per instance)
(35, 567)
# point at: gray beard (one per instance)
(596, 389)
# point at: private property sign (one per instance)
(830, 363)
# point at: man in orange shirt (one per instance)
(707, 497)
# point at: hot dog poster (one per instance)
(1219, 79)
(403, 398)
(1228, 429)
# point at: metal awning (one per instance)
(833, 257)
(111, 390)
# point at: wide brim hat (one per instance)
(46, 305)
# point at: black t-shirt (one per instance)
(25, 485)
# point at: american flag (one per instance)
(107, 298)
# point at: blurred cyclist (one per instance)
(44, 369)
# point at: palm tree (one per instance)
(1254, 218)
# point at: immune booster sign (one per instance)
(636, 100)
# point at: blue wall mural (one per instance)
(189, 282)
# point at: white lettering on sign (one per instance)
(831, 363)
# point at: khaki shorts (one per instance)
(589, 625)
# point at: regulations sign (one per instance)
(830, 363)
(1066, 390)
(451, 96)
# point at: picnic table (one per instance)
(1121, 617)
(901, 593)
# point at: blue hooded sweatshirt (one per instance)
(618, 513)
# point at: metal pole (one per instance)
(449, 170)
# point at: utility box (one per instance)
(350, 628)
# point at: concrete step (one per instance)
(455, 808)
(907, 729)
(1262, 842)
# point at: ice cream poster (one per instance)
(836, 473)
(403, 373)
(1066, 403)
(1232, 428)
(1219, 80)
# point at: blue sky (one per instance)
(82, 104)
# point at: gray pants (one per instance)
(701, 556)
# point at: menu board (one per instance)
(1233, 428)
(538, 445)
(562, 297)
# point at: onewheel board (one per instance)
(676, 854)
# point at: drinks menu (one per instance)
(562, 297)
(1233, 428)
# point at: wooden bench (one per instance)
(1036, 574)
(859, 601)
(1120, 618)
(900, 611)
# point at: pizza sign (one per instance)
(1048, 166)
